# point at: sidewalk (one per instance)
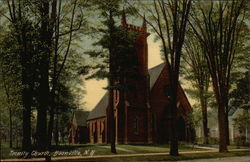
(121, 155)
(202, 147)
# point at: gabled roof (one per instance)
(100, 109)
(154, 74)
(80, 117)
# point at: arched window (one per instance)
(166, 90)
(154, 122)
(136, 125)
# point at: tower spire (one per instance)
(144, 23)
(123, 20)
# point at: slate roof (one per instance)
(100, 109)
(80, 117)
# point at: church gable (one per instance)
(160, 91)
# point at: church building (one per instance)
(141, 114)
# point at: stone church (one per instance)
(143, 117)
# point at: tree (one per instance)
(169, 21)
(22, 34)
(197, 71)
(10, 84)
(218, 31)
(38, 31)
(74, 25)
(240, 95)
(117, 46)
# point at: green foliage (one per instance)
(240, 97)
(10, 88)
(242, 121)
(124, 53)
(70, 89)
(195, 117)
(120, 40)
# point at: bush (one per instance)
(213, 140)
(240, 141)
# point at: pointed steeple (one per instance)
(144, 23)
(123, 20)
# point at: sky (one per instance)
(94, 89)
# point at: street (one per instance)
(226, 159)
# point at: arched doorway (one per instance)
(103, 132)
(181, 129)
(95, 133)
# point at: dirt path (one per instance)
(118, 148)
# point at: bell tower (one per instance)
(140, 43)
(133, 113)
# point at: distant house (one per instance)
(237, 134)
(78, 130)
(142, 113)
(234, 132)
(212, 125)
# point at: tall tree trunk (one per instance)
(56, 130)
(42, 119)
(222, 127)
(26, 142)
(227, 125)
(112, 122)
(220, 98)
(43, 96)
(55, 21)
(10, 125)
(51, 119)
(204, 122)
(43, 99)
(121, 115)
(173, 122)
(28, 82)
(203, 102)
(27, 102)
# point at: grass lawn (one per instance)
(130, 149)
(4, 151)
